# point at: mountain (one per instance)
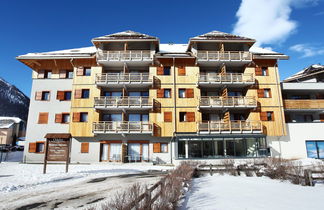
(13, 103)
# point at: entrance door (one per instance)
(145, 152)
(115, 152)
(104, 152)
(134, 151)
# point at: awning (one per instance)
(58, 136)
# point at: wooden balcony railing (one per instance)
(134, 55)
(224, 56)
(123, 102)
(123, 127)
(238, 101)
(304, 104)
(230, 127)
(226, 78)
(130, 78)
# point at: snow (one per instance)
(260, 50)
(251, 193)
(15, 119)
(173, 48)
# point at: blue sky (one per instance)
(293, 27)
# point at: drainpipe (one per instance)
(174, 104)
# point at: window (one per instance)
(45, 96)
(43, 118)
(315, 149)
(264, 71)
(138, 117)
(67, 95)
(66, 74)
(111, 117)
(167, 93)
(266, 116)
(85, 93)
(85, 147)
(183, 116)
(267, 93)
(65, 118)
(166, 70)
(167, 116)
(186, 116)
(47, 74)
(63, 95)
(160, 147)
(182, 93)
(87, 71)
(186, 93)
(40, 147)
(261, 71)
(269, 116)
(83, 117)
(69, 74)
(83, 71)
(308, 118)
(164, 147)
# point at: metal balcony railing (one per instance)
(238, 101)
(122, 127)
(123, 102)
(226, 78)
(230, 127)
(122, 78)
(131, 55)
(224, 56)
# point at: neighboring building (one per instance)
(11, 128)
(303, 95)
(130, 98)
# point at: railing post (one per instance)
(241, 127)
(208, 127)
(230, 126)
(229, 55)
(107, 55)
(207, 55)
(231, 77)
(119, 55)
(218, 58)
(141, 55)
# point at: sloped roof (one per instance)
(124, 35)
(7, 122)
(260, 52)
(173, 48)
(306, 72)
(218, 35)
(83, 52)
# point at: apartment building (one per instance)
(129, 98)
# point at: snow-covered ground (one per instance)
(25, 184)
(251, 193)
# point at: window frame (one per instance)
(85, 71)
(82, 114)
(37, 147)
(165, 91)
(49, 95)
(167, 69)
(85, 93)
(69, 119)
(184, 93)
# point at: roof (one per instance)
(265, 53)
(58, 136)
(14, 119)
(83, 52)
(173, 48)
(306, 72)
(124, 35)
(218, 35)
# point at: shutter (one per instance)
(60, 95)
(263, 116)
(41, 74)
(167, 116)
(58, 118)
(62, 74)
(32, 147)
(321, 117)
(80, 71)
(156, 147)
(270, 95)
(159, 70)
(260, 93)
(85, 147)
(190, 117)
(181, 71)
(78, 93)
(43, 118)
(267, 71)
(160, 93)
(258, 71)
(189, 93)
(38, 96)
(76, 116)
(272, 116)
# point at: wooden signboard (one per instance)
(57, 149)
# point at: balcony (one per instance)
(231, 79)
(126, 103)
(226, 56)
(117, 80)
(107, 127)
(304, 104)
(114, 57)
(218, 127)
(215, 102)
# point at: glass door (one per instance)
(145, 152)
(115, 152)
(104, 152)
(134, 151)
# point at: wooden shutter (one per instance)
(76, 116)
(85, 147)
(41, 74)
(258, 71)
(182, 71)
(167, 116)
(38, 96)
(32, 147)
(156, 147)
(62, 74)
(80, 71)
(190, 117)
(267, 71)
(58, 118)
(60, 95)
(272, 116)
(260, 93)
(321, 117)
(263, 116)
(159, 70)
(78, 93)
(270, 95)
(160, 93)
(189, 93)
(43, 118)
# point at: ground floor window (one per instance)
(221, 147)
(111, 152)
(315, 149)
(138, 152)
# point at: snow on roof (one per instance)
(216, 35)
(75, 52)
(14, 119)
(173, 48)
(124, 35)
(259, 50)
(315, 68)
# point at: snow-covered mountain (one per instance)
(13, 103)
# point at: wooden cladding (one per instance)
(167, 116)
(181, 71)
(85, 147)
(43, 118)
(303, 104)
(32, 147)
